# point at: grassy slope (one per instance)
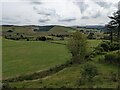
(69, 78)
(21, 57)
(30, 32)
(60, 29)
(19, 29)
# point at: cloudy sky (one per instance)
(56, 12)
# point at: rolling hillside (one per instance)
(36, 30)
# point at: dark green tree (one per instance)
(114, 24)
(77, 47)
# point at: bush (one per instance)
(5, 86)
(77, 47)
(114, 76)
(100, 49)
(10, 31)
(43, 38)
(89, 71)
(27, 39)
(105, 46)
(114, 46)
(113, 58)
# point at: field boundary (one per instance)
(57, 43)
(39, 75)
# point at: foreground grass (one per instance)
(21, 57)
(69, 77)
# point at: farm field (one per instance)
(34, 56)
(21, 57)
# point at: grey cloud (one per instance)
(116, 5)
(37, 2)
(67, 20)
(104, 4)
(9, 20)
(46, 12)
(85, 17)
(98, 14)
(27, 20)
(82, 5)
(43, 20)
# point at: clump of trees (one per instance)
(91, 36)
(42, 38)
(77, 47)
(106, 46)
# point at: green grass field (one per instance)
(24, 57)
(69, 78)
(21, 57)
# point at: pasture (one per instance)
(22, 57)
(69, 78)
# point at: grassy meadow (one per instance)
(21, 57)
(69, 78)
(34, 56)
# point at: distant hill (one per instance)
(99, 27)
(61, 29)
(42, 28)
(34, 30)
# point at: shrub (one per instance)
(113, 76)
(10, 31)
(21, 36)
(105, 46)
(5, 86)
(43, 38)
(89, 71)
(77, 47)
(27, 39)
(114, 46)
(100, 49)
(113, 58)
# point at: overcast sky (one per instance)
(57, 12)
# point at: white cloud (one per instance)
(62, 12)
